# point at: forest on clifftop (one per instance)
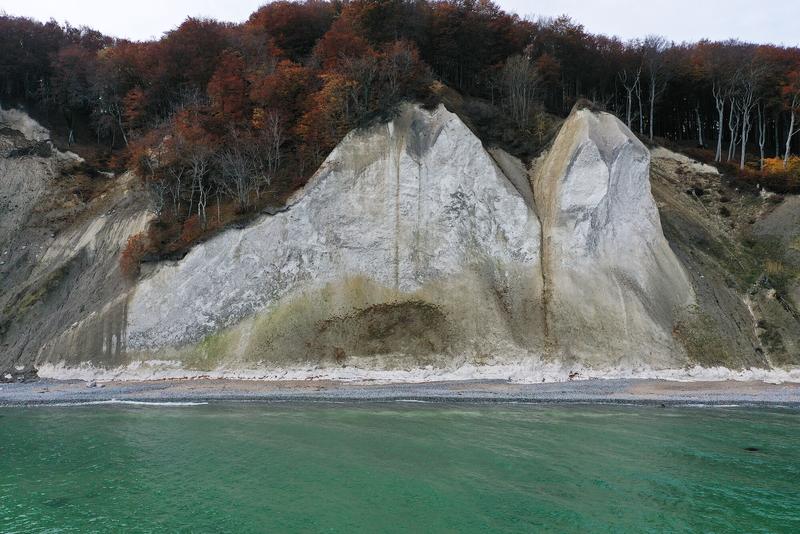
(222, 121)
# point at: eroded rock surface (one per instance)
(408, 246)
(614, 289)
(61, 295)
(413, 246)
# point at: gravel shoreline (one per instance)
(622, 391)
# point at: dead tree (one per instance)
(733, 127)
(721, 92)
(630, 81)
(520, 81)
(795, 103)
(235, 178)
(762, 134)
(265, 150)
(750, 82)
(654, 48)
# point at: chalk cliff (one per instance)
(412, 247)
(62, 297)
(613, 286)
(408, 247)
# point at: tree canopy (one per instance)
(216, 113)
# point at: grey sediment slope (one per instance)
(624, 391)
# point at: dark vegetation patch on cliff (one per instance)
(411, 327)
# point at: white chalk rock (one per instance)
(613, 286)
(409, 240)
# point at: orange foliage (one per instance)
(193, 125)
(327, 119)
(294, 26)
(132, 254)
(285, 89)
(191, 231)
(135, 107)
(339, 44)
(228, 87)
(775, 165)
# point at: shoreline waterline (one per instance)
(178, 392)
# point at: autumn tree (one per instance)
(233, 113)
(362, 85)
(327, 119)
(285, 89)
(183, 62)
(402, 72)
(228, 89)
(131, 256)
(134, 104)
(338, 45)
(109, 85)
(295, 26)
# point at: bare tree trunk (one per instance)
(719, 100)
(748, 101)
(641, 111)
(118, 116)
(788, 151)
(745, 133)
(205, 190)
(734, 129)
(629, 107)
(653, 48)
(652, 106)
(176, 190)
(762, 135)
(699, 127)
(630, 86)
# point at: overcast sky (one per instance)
(763, 21)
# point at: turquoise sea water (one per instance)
(398, 467)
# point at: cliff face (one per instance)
(613, 286)
(412, 247)
(408, 247)
(61, 295)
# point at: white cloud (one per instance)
(138, 19)
(764, 21)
